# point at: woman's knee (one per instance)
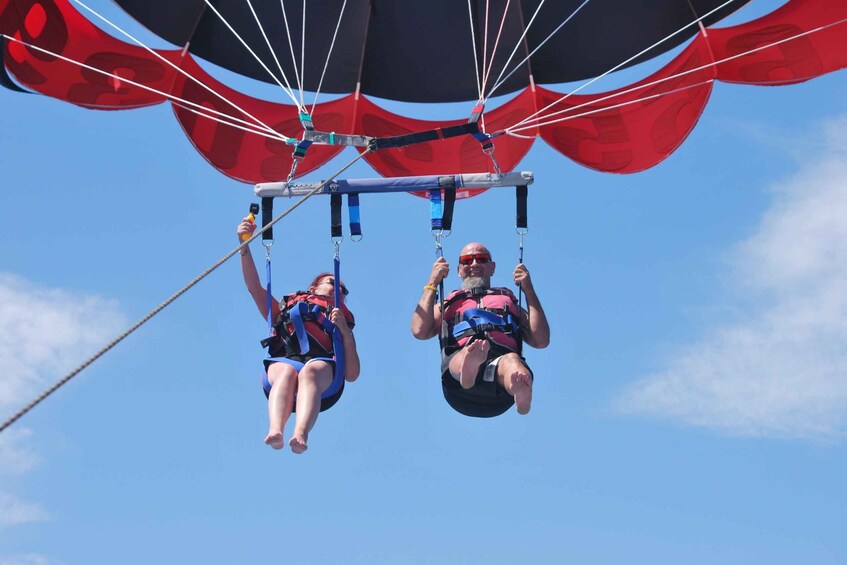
(317, 373)
(279, 371)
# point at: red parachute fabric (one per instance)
(794, 61)
(633, 128)
(248, 156)
(58, 29)
(623, 131)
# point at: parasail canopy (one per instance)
(418, 51)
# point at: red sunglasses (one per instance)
(480, 258)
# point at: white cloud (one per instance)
(44, 333)
(782, 370)
(28, 559)
(16, 458)
(14, 511)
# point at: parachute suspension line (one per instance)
(612, 107)
(441, 222)
(268, 241)
(518, 43)
(291, 50)
(475, 58)
(484, 50)
(328, 55)
(259, 122)
(231, 121)
(532, 117)
(287, 88)
(336, 236)
(247, 47)
(487, 73)
(173, 297)
(501, 79)
(521, 229)
(303, 55)
(539, 120)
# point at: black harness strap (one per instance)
(335, 215)
(424, 136)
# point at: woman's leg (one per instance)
(312, 381)
(283, 380)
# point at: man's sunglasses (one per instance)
(480, 258)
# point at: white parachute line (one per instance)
(501, 79)
(523, 126)
(614, 106)
(328, 55)
(203, 110)
(487, 72)
(209, 89)
(231, 122)
(517, 46)
(287, 88)
(291, 50)
(303, 56)
(484, 50)
(247, 47)
(619, 65)
(473, 44)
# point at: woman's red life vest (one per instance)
(284, 342)
(492, 314)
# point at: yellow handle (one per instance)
(252, 219)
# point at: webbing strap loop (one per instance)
(436, 211)
(354, 215)
(267, 217)
(335, 215)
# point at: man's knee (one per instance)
(511, 363)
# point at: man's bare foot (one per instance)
(298, 443)
(275, 440)
(475, 354)
(522, 391)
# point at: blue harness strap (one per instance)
(299, 314)
(476, 321)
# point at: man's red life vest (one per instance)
(313, 309)
(492, 314)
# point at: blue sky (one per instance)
(691, 408)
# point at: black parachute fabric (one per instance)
(422, 51)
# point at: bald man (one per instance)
(483, 369)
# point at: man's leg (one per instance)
(283, 380)
(515, 377)
(464, 365)
(312, 381)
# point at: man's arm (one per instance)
(534, 326)
(426, 319)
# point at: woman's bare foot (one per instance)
(475, 354)
(522, 391)
(275, 440)
(298, 443)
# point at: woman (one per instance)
(295, 379)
